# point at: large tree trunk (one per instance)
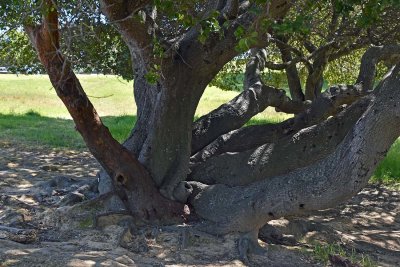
(161, 138)
(162, 135)
(240, 178)
(323, 184)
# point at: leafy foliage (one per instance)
(93, 45)
(88, 40)
(17, 54)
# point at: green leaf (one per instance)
(152, 77)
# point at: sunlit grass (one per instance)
(30, 110)
(110, 95)
(388, 171)
(24, 93)
(321, 253)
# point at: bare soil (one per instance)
(43, 199)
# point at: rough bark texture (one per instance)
(292, 74)
(315, 78)
(323, 184)
(255, 98)
(133, 183)
(260, 172)
(369, 60)
(306, 147)
(325, 105)
(162, 135)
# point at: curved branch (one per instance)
(292, 74)
(234, 114)
(215, 52)
(322, 185)
(124, 15)
(348, 49)
(327, 104)
(306, 147)
(284, 45)
(369, 60)
(128, 173)
(315, 77)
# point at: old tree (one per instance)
(235, 178)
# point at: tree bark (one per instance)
(369, 60)
(315, 79)
(133, 183)
(162, 135)
(255, 98)
(306, 146)
(327, 104)
(324, 184)
(292, 74)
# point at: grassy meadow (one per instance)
(32, 114)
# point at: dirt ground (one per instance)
(44, 223)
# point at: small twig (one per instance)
(100, 96)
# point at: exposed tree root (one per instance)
(248, 244)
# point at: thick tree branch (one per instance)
(369, 60)
(327, 104)
(255, 98)
(292, 74)
(124, 15)
(306, 146)
(234, 114)
(214, 53)
(122, 166)
(322, 185)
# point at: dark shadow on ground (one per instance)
(34, 129)
(369, 223)
(64, 240)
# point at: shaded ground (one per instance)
(39, 186)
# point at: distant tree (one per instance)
(234, 177)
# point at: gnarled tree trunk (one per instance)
(321, 185)
(162, 136)
(239, 177)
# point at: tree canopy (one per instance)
(95, 46)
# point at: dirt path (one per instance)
(39, 186)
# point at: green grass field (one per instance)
(31, 113)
